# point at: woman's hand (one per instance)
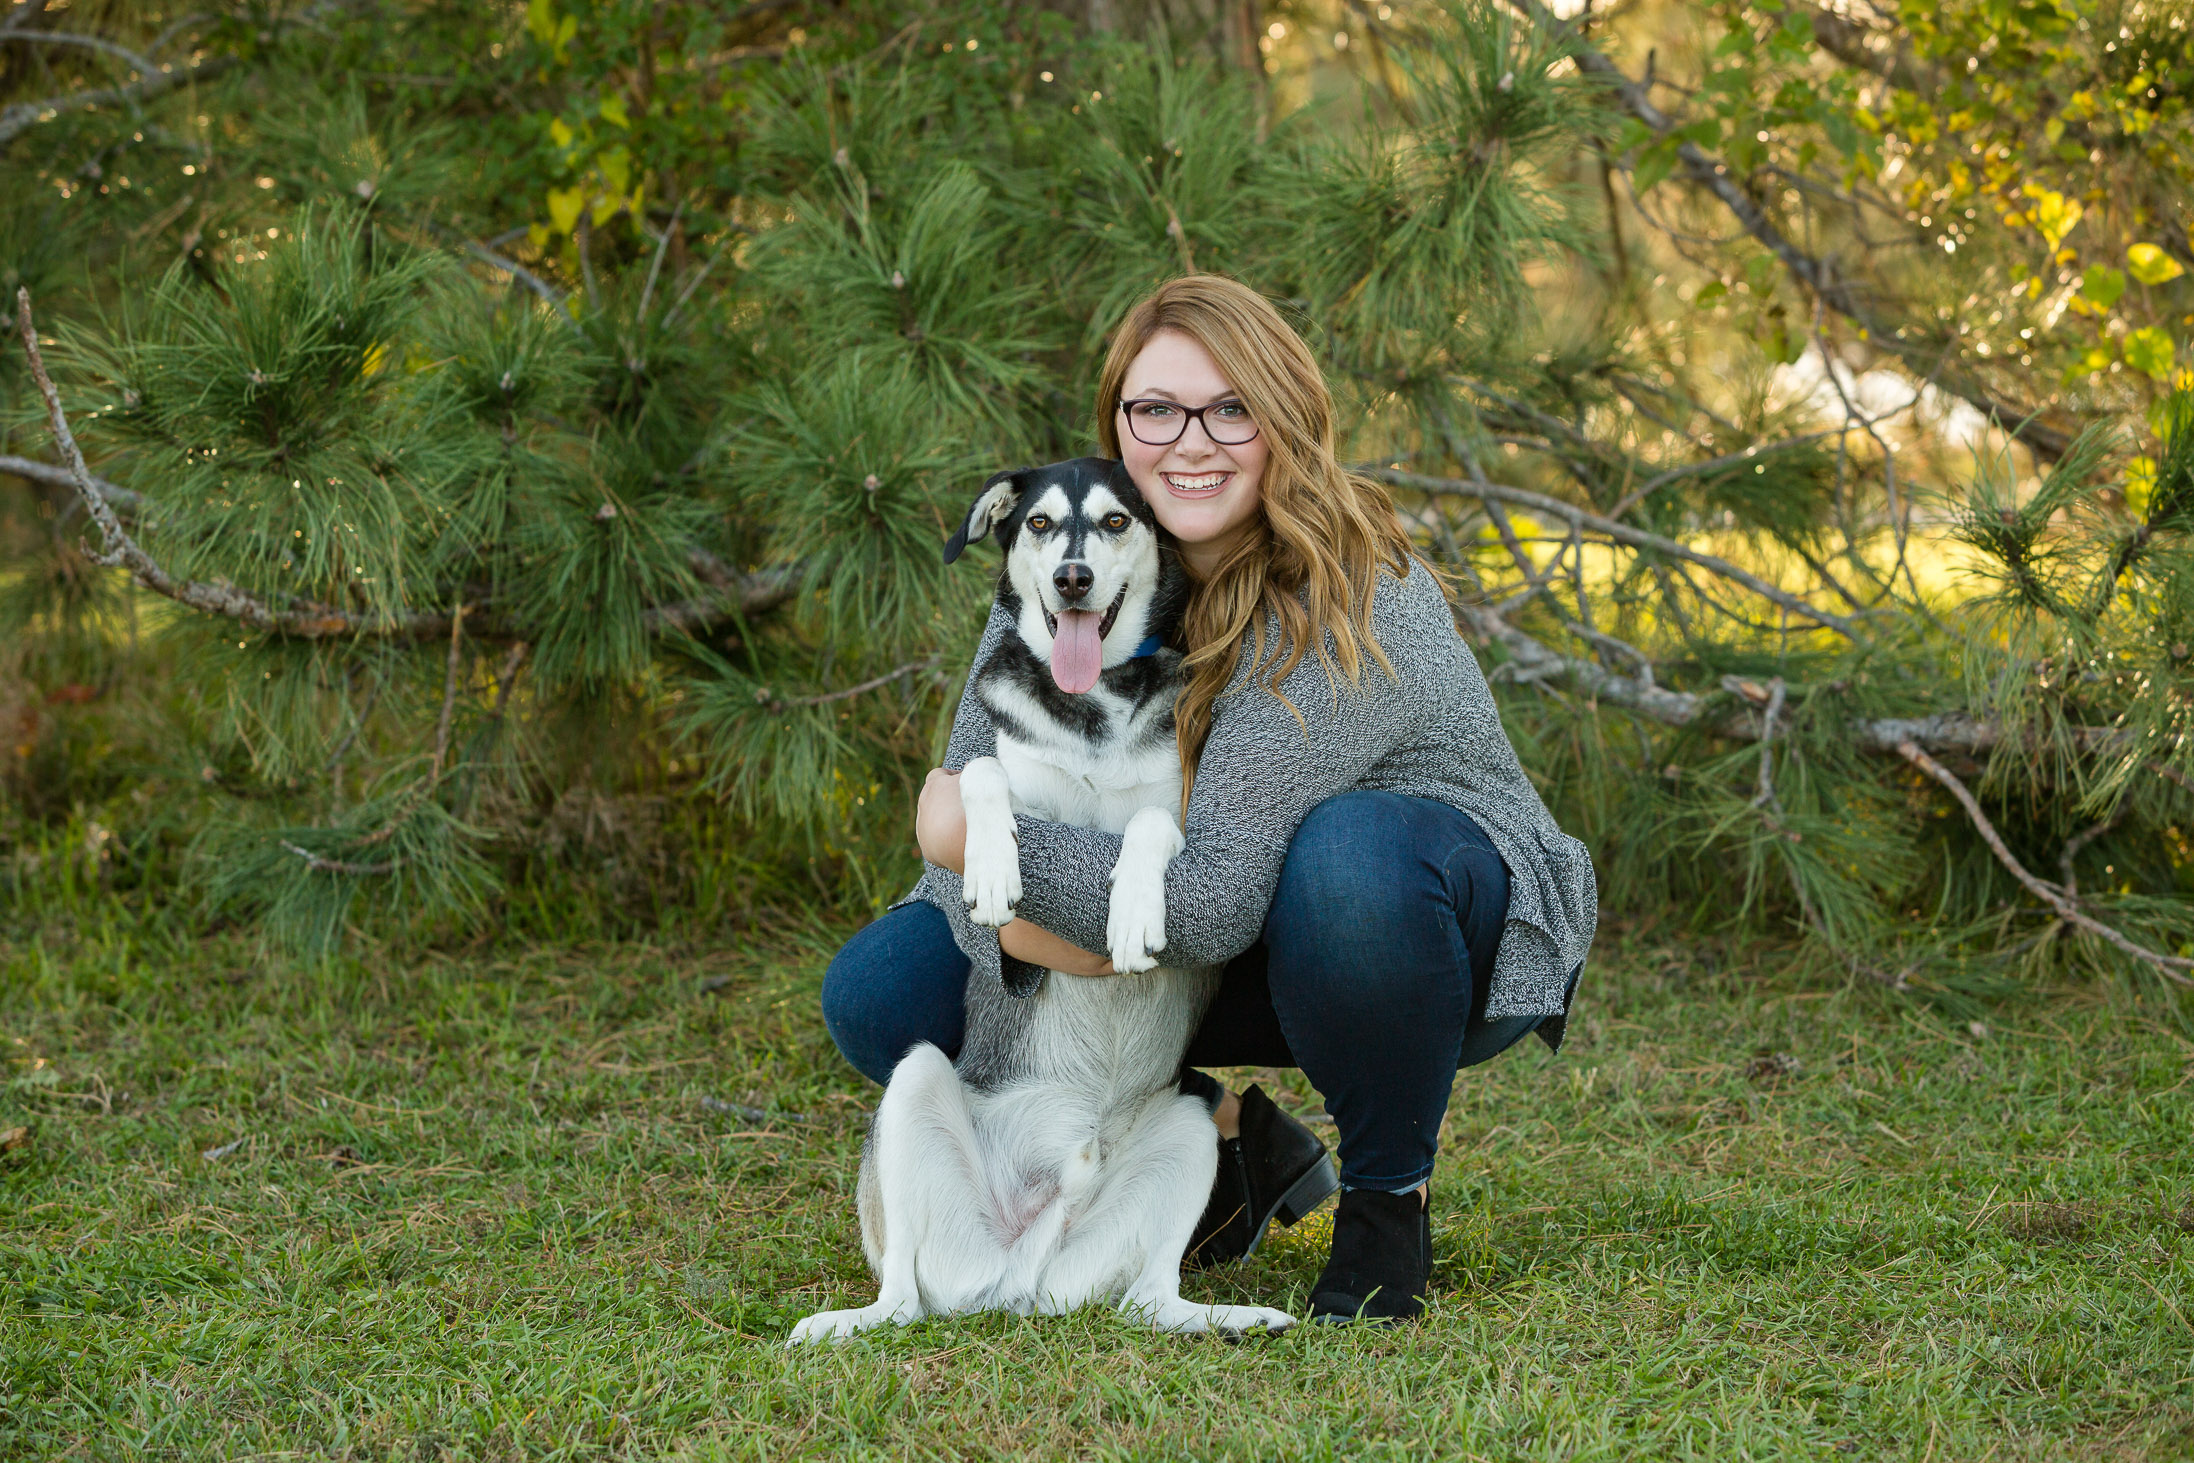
(940, 823)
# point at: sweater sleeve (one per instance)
(1260, 774)
(973, 735)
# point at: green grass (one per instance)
(477, 1206)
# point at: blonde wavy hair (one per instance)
(1323, 533)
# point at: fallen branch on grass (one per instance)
(2058, 899)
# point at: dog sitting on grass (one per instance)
(1057, 1164)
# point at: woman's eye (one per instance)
(1232, 411)
(1153, 409)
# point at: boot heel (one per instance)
(1307, 1193)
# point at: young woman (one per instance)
(1388, 894)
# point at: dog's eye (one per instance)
(1038, 523)
(1116, 521)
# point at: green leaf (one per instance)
(1710, 293)
(2102, 284)
(2151, 265)
(2150, 350)
(1654, 164)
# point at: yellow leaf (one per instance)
(616, 166)
(2151, 265)
(541, 20)
(2140, 481)
(613, 112)
(377, 360)
(563, 206)
(2152, 351)
(2054, 214)
(560, 132)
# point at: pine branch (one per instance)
(1702, 167)
(1486, 491)
(736, 592)
(2068, 910)
(308, 620)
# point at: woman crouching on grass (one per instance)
(1389, 897)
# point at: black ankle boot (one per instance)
(1382, 1259)
(1277, 1169)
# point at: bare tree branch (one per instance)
(124, 54)
(122, 499)
(321, 865)
(849, 692)
(1892, 61)
(2068, 910)
(1533, 662)
(2080, 840)
(1702, 167)
(20, 118)
(1639, 538)
(449, 694)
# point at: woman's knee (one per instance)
(897, 982)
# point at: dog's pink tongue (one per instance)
(1077, 651)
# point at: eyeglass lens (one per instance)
(1161, 423)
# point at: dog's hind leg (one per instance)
(1174, 1166)
(1130, 1240)
(934, 1232)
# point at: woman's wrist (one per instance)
(1038, 946)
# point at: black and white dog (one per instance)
(1058, 1164)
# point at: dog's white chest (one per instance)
(1092, 782)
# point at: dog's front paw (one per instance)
(992, 883)
(1135, 925)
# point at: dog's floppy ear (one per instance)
(991, 506)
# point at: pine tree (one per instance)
(597, 414)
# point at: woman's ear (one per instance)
(992, 506)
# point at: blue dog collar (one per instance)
(1148, 648)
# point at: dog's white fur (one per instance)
(1081, 1179)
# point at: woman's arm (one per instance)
(940, 827)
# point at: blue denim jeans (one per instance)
(1370, 976)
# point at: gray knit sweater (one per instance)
(1431, 732)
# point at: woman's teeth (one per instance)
(1202, 483)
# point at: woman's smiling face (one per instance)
(1205, 493)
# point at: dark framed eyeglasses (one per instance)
(1156, 422)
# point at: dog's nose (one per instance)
(1072, 581)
